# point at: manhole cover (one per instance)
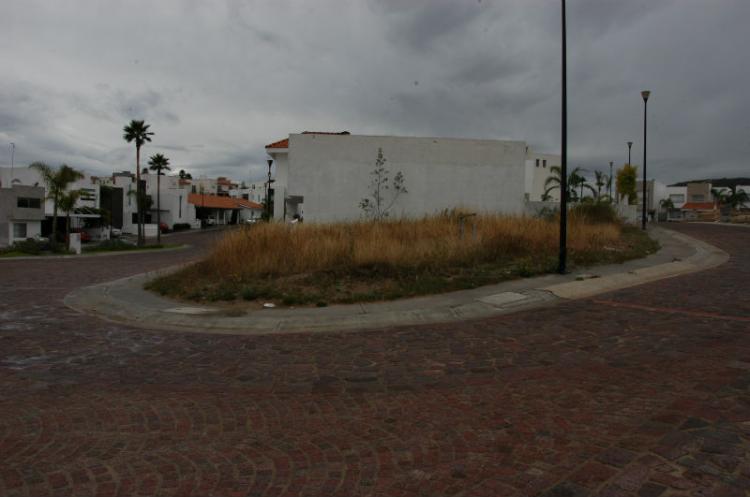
(505, 298)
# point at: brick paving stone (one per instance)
(582, 398)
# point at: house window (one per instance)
(130, 191)
(537, 163)
(19, 230)
(677, 198)
(698, 198)
(180, 216)
(193, 190)
(544, 163)
(29, 203)
(88, 194)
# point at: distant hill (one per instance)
(718, 182)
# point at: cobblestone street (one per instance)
(639, 392)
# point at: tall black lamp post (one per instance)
(268, 191)
(563, 156)
(610, 181)
(630, 144)
(645, 94)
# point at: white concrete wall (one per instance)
(33, 230)
(332, 172)
(281, 183)
(537, 171)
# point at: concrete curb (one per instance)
(125, 301)
(95, 254)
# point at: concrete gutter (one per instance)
(125, 301)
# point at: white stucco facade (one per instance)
(324, 177)
(537, 171)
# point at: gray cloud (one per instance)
(219, 80)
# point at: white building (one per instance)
(324, 176)
(21, 212)
(86, 206)
(255, 192)
(537, 172)
(173, 201)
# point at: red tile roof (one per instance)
(699, 206)
(285, 142)
(279, 144)
(219, 202)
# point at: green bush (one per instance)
(30, 246)
(595, 212)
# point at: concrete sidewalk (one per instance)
(126, 301)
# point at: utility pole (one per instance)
(610, 181)
(12, 160)
(644, 94)
(563, 156)
(268, 191)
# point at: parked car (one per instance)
(251, 221)
(85, 236)
(116, 232)
(164, 227)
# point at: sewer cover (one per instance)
(505, 298)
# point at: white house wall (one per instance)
(333, 173)
(536, 175)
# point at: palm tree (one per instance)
(601, 181)
(666, 204)
(719, 196)
(575, 180)
(735, 198)
(158, 163)
(57, 182)
(67, 204)
(138, 131)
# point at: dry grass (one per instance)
(282, 250)
(315, 263)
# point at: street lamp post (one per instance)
(268, 191)
(610, 181)
(630, 144)
(563, 156)
(645, 94)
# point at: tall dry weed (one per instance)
(433, 242)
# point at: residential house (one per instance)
(221, 209)
(700, 204)
(21, 213)
(86, 211)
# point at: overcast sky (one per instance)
(217, 80)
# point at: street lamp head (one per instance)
(270, 161)
(630, 144)
(645, 94)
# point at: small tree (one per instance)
(377, 206)
(67, 205)
(601, 181)
(57, 182)
(575, 181)
(626, 183)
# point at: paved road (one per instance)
(644, 391)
